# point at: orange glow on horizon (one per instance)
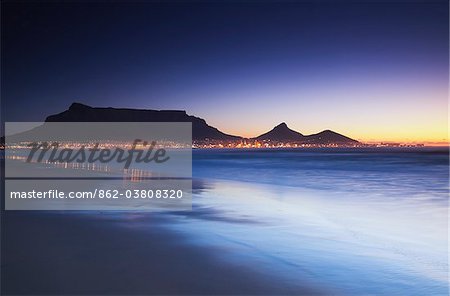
(433, 137)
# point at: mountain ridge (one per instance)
(282, 132)
(201, 131)
(79, 112)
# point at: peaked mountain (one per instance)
(282, 133)
(82, 113)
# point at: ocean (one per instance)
(353, 221)
(279, 221)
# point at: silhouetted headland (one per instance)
(82, 113)
(203, 135)
(201, 131)
(282, 133)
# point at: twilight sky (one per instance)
(371, 70)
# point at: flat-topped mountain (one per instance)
(282, 133)
(82, 113)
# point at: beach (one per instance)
(119, 254)
(278, 222)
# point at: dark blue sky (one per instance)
(244, 67)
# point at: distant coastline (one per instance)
(206, 136)
(253, 144)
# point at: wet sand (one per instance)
(61, 253)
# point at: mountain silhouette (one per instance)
(78, 112)
(282, 133)
(201, 131)
(329, 137)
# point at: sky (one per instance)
(372, 70)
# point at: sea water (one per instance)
(343, 221)
(348, 221)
